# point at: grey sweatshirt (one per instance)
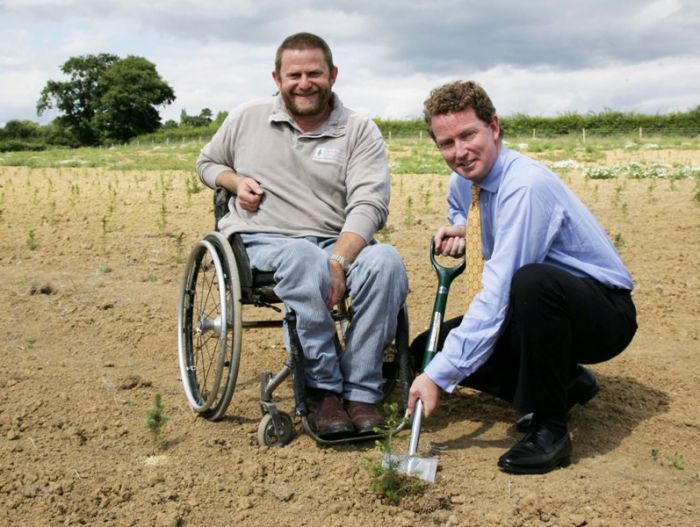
(334, 179)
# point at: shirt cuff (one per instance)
(210, 173)
(360, 225)
(443, 373)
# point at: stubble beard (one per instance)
(322, 103)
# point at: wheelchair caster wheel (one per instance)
(268, 436)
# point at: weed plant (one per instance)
(192, 186)
(31, 242)
(426, 197)
(105, 231)
(52, 213)
(618, 241)
(163, 219)
(677, 460)
(180, 248)
(408, 216)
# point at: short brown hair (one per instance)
(455, 97)
(304, 41)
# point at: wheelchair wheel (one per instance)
(268, 436)
(209, 327)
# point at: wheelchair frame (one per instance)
(217, 283)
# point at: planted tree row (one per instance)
(605, 123)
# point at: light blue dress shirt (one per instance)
(527, 216)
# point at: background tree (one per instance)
(203, 119)
(78, 97)
(16, 129)
(107, 98)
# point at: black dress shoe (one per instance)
(581, 390)
(540, 451)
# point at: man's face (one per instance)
(468, 145)
(305, 81)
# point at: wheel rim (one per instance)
(202, 328)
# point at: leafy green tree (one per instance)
(78, 97)
(130, 91)
(107, 98)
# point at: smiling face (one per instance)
(468, 145)
(305, 82)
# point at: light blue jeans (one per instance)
(377, 285)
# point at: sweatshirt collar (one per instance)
(334, 126)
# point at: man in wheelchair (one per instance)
(310, 181)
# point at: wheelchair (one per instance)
(218, 283)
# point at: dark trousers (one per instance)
(555, 321)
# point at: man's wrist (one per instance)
(344, 262)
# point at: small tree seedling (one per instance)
(387, 481)
(156, 420)
(31, 241)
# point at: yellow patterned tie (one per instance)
(475, 263)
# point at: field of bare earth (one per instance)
(91, 261)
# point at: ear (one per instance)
(278, 80)
(495, 127)
(333, 75)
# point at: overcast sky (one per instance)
(538, 57)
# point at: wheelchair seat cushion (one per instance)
(263, 278)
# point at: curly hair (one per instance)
(304, 41)
(455, 97)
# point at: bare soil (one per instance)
(90, 269)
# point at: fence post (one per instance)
(583, 134)
(420, 136)
(534, 132)
(640, 132)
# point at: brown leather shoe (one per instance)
(364, 416)
(330, 418)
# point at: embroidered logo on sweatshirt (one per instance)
(329, 155)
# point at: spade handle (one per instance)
(415, 428)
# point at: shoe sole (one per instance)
(335, 432)
(515, 469)
(368, 429)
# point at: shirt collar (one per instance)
(334, 126)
